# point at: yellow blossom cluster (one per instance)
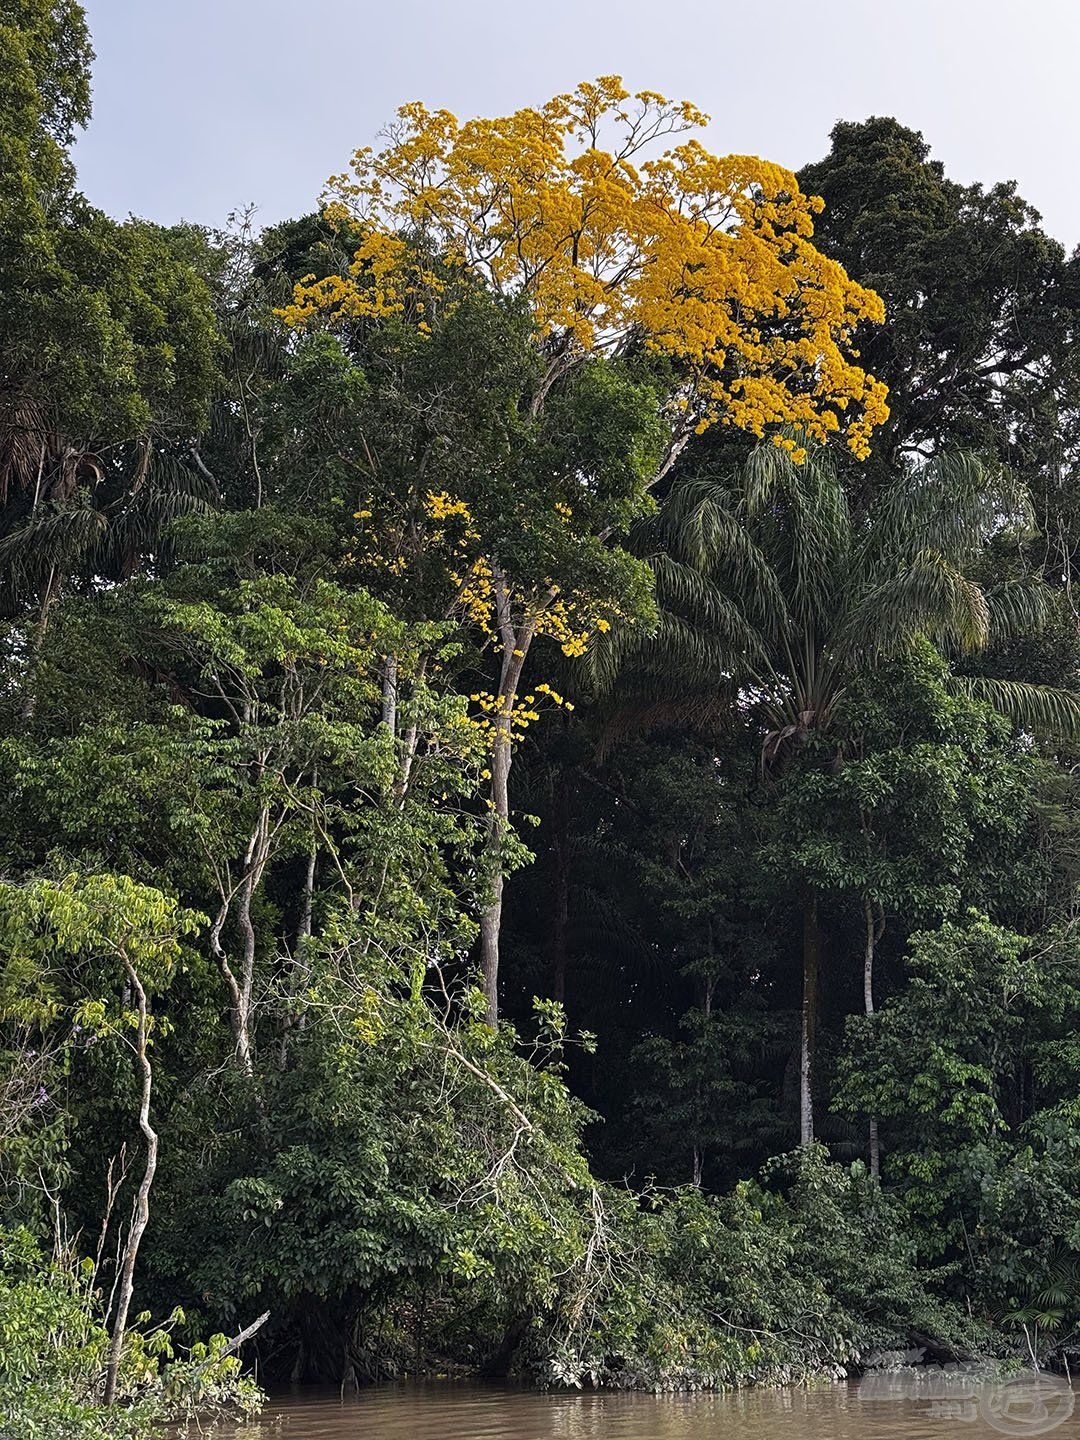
(709, 258)
(374, 553)
(372, 558)
(553, 695)
(474, 585)
(442, 505)
(520, 712)
(476, 593)
(385, 275)
(564, 623)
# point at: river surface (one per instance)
(880, 1409)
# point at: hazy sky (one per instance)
(202, 106)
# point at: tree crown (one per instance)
(708, 261)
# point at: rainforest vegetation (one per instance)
(538, 740)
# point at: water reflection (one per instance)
(468, 1412)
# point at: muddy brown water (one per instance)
(881, 1410)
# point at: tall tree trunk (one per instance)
(142, 1201)
(241, 987)
(868, 1005)
(390, 694)
(498, 820)
(515, 647)
(811, 979)
(37, 643)
(303, 927)
(410, 739)
(301, 961)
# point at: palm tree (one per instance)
(774, 591)
(90, 521)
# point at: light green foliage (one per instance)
(53, 1344)
(974, 1067)
(800, 1274)
(66, 1005)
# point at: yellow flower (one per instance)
(699, 254)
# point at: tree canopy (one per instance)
(540, 805)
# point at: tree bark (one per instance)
(872, 934)
(515, 647)
(241, 988)
(811, 979)
(410, 740)
(142, 1201)
(303, 928)
(37, 644)
(390, 694)
(498, 819)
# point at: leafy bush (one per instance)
(799, 1274)
(53, 1344)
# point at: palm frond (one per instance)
(1020, 607)
(681, 656)
(928, 596)
(954, 505)
(684, 591)
(698, 526)
(172, 487)
(51, 538)
(801, 516)
(1040, 709)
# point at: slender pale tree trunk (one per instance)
(301, 963)
(410, 739)
(390, 694)
(142, 1202)
(241, 985)
(872, 934)
(498, 820)
(303, 928)
(37, 643)
(808, 1049)
(515, 647)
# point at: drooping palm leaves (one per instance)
(97, 529)
(773, 591)
(101, 525)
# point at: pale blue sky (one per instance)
(202, 106)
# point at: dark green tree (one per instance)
(776, 592)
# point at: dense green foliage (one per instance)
(53, 1352)
(779, 1065)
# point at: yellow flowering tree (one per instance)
(708, 260)
(626, 244)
